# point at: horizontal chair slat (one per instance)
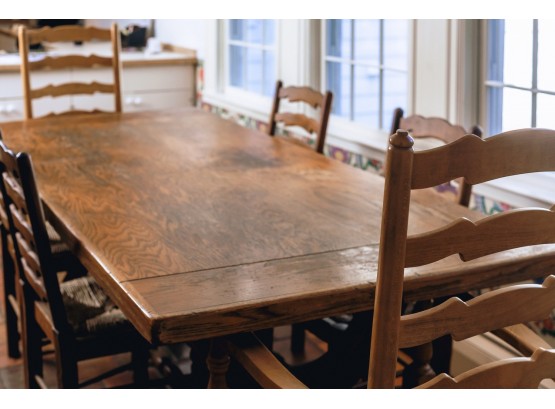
(29, 255)
(14, 192)
(420, 127)
(306, 94)
(289, 119)
(71, 88)
(524, 373)
(67, 33)
(445, 163)
(68, 61)
(76, 112)
(21, 225)
(502, 231)
(35, 281)
(522, 303)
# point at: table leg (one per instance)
(420, 370)
(218, 363)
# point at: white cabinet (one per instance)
(146, 85)
(165, 87)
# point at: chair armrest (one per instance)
(522, 338)
(261, 363)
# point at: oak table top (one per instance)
(198, 227)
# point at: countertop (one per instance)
(168, 56)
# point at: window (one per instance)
(366, 67)
(520, 86)
(520, 93)
(251, 55)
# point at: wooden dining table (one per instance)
(199, 228)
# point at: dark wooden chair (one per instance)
(308, 96)
(69, 33)
(76, 316)
(504, 311)
(63, 258)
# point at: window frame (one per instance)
(532, 189)
(302, 41)
(238, 91)
(381, 67)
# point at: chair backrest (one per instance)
(477, 160)
(5, 216)
(436, 128)
(28, 230)
(309, 96)
(69, 33)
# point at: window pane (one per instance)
(517, 109)
(338, 38)
(338, 81)
(236, 64)
(546, 56)
(237, 30)
(252, 62)
(269, 32)
(545, 109)
(269, 73)
(254, 31)
(395, 44)
(518, 52)
(395, 95)
(254, 70)
(367, 44)
(366, 99)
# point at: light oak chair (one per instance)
(436, 128)
(73, 34)
(504, 311)
(420, 127)
(76, 316)
(510, 153)
(325, 329)
(342, 332)
(308, 96)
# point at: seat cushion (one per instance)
(89, 310)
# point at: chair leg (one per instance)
(297, 339)
(139, 363)
(66, 365)
(12, 330)
(32, 346)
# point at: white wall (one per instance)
(184, 33)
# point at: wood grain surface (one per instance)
(198, 227)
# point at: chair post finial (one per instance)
(401, 139)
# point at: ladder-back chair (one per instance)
(69, 34)
(507, 154)
(436, 128)
(309, 96)
(63, 258)
(77, 317)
